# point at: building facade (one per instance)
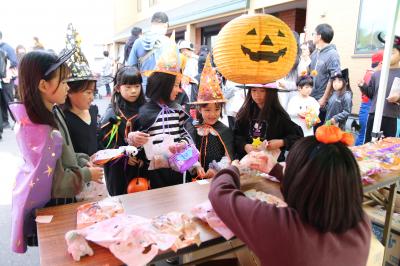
(355, 22)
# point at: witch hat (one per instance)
(78, 63)
(209, 88)
(344, 74)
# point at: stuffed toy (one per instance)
(77, 245)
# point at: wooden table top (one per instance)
(52, 245)
(53, 248)
(382, 180)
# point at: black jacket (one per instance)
(128, 46)
(118, 173)
(226, 135)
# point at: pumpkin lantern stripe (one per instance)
(255, 49)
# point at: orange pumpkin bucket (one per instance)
(255, 49)
(138, 184)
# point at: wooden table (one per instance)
(53, 248)
(392, 180)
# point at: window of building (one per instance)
(139, 5)
(209, 35)
(152, 2)
(372, 19)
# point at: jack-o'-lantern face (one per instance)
(266, 55)
(255, 49)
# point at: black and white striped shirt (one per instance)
(166, 121)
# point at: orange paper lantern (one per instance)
(138, 184)
(255, 49)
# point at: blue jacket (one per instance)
(11, 55)
(142, 46)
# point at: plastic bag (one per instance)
(93, 191)
(158, 162)
(94, 212)
(162, 148)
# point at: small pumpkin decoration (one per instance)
(255, 49)
(314, 73)
(138, 184)
(328, 134)
(331, 134)
(347, 139)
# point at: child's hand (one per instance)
(133, 161)
(210, 173)
(249, 148)
(275, 144)
(322, 102)
(360, 83)
(200, 171)
(260, 160)
(97, 174)
(263, 146)
(177, 147)
(394, 98)
(263, 162)
(137, 138)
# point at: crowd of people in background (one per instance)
(157, 97)
(316, 90)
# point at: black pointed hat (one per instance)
(78, 63)
(344, 74)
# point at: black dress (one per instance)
(83, 135)
(118, 173)
(278, 128)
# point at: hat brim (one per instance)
(100, 80)
(66, 54)
(149, 72)
(207, 102)
(262, 86)
(191, 49)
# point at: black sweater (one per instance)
(83, 136)
(281, 128)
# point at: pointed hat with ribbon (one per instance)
(209, 88)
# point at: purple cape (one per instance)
(40, 147)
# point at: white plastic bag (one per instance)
(161, 148)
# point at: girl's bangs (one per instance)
(130, 79)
